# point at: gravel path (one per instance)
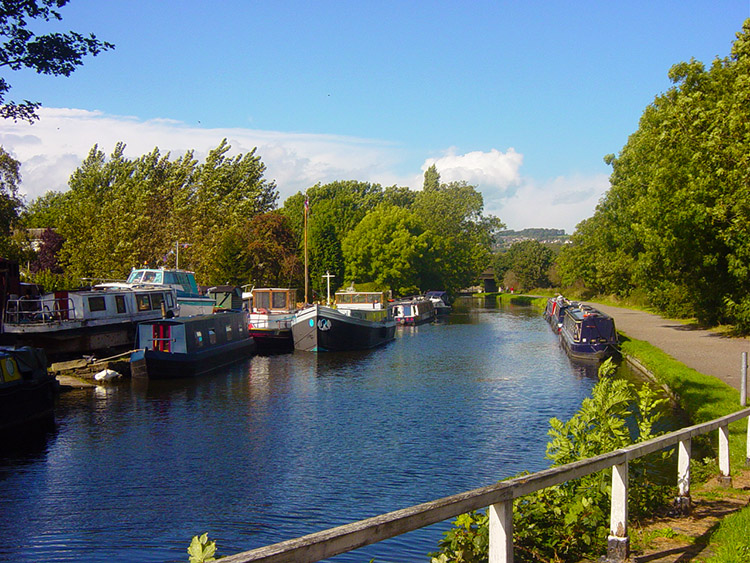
(705, 351)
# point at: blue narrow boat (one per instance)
(588, 334)
(554, 312)
(190, 346)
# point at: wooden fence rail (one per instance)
(498, 499)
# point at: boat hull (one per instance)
(165, 365)
(323, 329)
(27, 391)
(191, 346)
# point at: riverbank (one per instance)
(667, 538)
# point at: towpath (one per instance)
(705, 351)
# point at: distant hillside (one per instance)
(550, 236)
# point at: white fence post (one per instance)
(501, 532)
(618, 543)
(684, 451)
(743, 381)
(725, 477)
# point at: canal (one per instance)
(282, 446)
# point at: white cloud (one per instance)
(53, 147)
(561, 203)
(494, 170)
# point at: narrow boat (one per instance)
(189, 298)
(361, 320)
(27, 391)
(271, 312)
(190, 346)
(554, 312)
(102, 317)
(588, 334)
(414, 311)
(440, 300)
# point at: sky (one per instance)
(520, 99)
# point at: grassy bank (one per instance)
(702, 398)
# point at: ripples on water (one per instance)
(282, 446)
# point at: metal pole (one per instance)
(305, 229)
(743, 380)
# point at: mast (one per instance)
(307, 205)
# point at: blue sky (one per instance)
(521, 99)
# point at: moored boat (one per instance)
(271, 312)
(588, 334)
(190, 346)
(189, 297)
(102, 317)
(414, 311)
(554, 312)
(27, 391)
(440, 300)
(361, 320)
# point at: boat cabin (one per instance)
(373, 300)
(273, 300)
(182, 280)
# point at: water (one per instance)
(282, 446)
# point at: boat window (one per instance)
(144, 303)
(135, 276)
(120, 303)
(373, 298)
(359, 298)
(262, 300)
(97, 304)
(169, 278)
(198, 338)
(170, 302)
(229, 332)
(212, 336)
(149, 277)
(156, 300)
(279, 300)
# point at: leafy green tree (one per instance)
(388, 247)
(10, 199)
(45, 211)
(431, 178)
(462, 235)
(121, 213)
(334, 210)
(674, 224)
(262, 252)
(57, 54)
(529, 260)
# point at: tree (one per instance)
(57, 54)
(674, 224)
(462, 235)
(529, 261)
(46, 259)
(334, 210)
(262, 252)
(121, 213)
(10, 200)
(431, 178)
(389, 247)
(45, 211)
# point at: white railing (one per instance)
(39, 311)
(498, 499)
